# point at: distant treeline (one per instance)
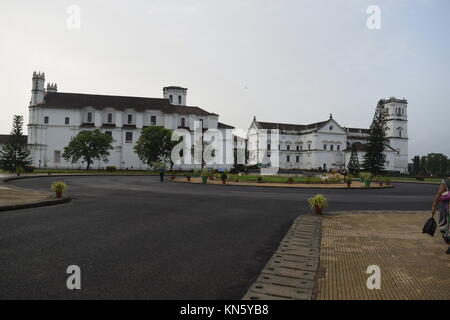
(433, 164)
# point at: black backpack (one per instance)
(430, 227)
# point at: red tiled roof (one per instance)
(79, 100)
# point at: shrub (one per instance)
(318, 201)
(365, 176)
(59, 186)
(205, 172)
(111, 168)
(420, 178)
(260, 179)
(223, 176)
(290, 180)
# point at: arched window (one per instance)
(331, 147)
(288, 148)
(298, 148)
(179, 99)
(324, 147)
(400, 131)
(338, 147)
(171, 98)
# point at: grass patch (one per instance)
(434, 180)
(274, 179)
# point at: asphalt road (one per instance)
(137, 238)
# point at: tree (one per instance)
(353, 164)
(374, 159)
(16, 152)
(155, 146)
(89, 146)
(416, 165)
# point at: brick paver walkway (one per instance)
(413, 265)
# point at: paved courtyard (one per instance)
(134, 237)
(413, 265)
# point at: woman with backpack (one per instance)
(443, 196)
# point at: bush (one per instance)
(29, 169)
(59, 186)
(111, 168)
(318, 201)
(290, 180)
(260, 179)
(365, 176)
(223, 176)
(420, 178)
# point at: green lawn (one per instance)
(435, 180)
(281, 179)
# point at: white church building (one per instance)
(327, 145)
(55, 117)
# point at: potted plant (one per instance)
(59, 187)
(205, 174)
(365, 178)
(19, 171)
(349, 182)
(188, 176)
(224, 177)
(318, 203)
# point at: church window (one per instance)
(110, 117)
(153, 120)
(46, 120)
(338, 147)
(288, 159)
(331, 147)
(57, 156)
(309, 147)
(171, 98)
(67, 120)
(297, 158)
(324, 147)
(130, 119)
(288, 148)
(298, 148)
(129, 137)
(179, 99)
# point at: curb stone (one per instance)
(291, 272)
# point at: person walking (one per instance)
(162, 170)
(444, 218)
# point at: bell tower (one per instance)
(176, 95)
(397, 133)
(37, 88)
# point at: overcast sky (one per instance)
(292, 61)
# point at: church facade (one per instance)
(327, 144)
(55, 117)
